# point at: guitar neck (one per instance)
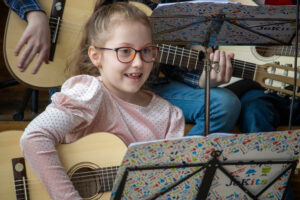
(193, 60)
(286, 51)
(279, 50)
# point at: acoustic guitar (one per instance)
(91, 163)
(66, 19)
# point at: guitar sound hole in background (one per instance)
(86, 182)
(265, 51)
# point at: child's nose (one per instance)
(137, 61)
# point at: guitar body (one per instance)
(98, 150)
(76, 13)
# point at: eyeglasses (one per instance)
(127, 54)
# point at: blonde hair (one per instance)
(96, 31)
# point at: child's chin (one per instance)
(133, 91)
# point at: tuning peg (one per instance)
(268, 91)
(281, 94)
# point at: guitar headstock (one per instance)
(279, 78)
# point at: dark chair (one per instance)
(29, 92)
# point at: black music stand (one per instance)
(214, 24)
(253, 166)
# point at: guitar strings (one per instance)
(105, 175)
(67, 27)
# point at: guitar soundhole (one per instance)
(86, 180)
(265, 51)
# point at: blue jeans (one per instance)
(265, 112)
(224, 106)
(52, 91)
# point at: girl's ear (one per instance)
(95, 56)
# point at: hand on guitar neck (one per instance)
(220, 75)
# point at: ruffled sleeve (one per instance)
(71, 110)
(176, 128)
(80, 98)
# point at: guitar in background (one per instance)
(66, 19)
(91, 163)
(265, 74)
(279, 55)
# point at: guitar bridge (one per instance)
(20, 178)
(55, 22)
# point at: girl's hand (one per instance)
(221, 71)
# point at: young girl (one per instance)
(118, 42)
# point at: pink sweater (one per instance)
(85, 106)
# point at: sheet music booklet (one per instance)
(230, 166)
(223, 23)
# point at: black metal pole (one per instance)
(295, 69)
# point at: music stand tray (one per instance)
(230, 166)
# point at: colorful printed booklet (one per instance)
(220, 23)
(220, 166)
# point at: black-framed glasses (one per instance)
(127, 54)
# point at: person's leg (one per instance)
(263, 112)
(260, 111)
(290, 194)
(296, 113)
(224, 106)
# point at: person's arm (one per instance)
(176, 124)
(190, 78)
(21, 8)
(35, 40)
(70, 114)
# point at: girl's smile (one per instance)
(134, 76)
